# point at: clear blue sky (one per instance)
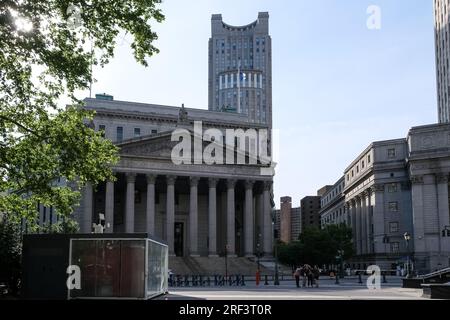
(337, 86)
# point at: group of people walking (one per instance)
(309, 276)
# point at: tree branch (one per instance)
(20, 125)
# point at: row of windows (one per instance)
(119, 132)
(241, 43)
(331, 195)
(391, 154)
(245, 79)
(361, 165)
(47, 214)
(333, 216)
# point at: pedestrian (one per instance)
(303, 275)
(297, 277)
(316, 274)
(309, 274)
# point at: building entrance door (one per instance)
(178, 239)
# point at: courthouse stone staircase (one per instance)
(210, 266)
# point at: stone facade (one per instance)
(198, 209)
(395, 187)
(332, 205)
(240, 64)
(429, 170)
(287, 221)
(378, 202)
(310, 207)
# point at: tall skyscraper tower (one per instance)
(240, 68)
(441, 27)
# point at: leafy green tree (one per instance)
(290, 254)
(340, 236)
(10, 255)
(316, 246)
(47, 49)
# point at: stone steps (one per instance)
(215, 265)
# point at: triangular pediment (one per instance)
(160, 146)
(153, 146)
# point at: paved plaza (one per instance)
(348, 289)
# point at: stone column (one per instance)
(109, 207)
(358, 224)
(444, 217)
(231, 245)
(363, 223)
(368, 221)
(430, 202)
(417, 213)
(193, 217)
(129, 207)
(150, 210)
(267, 230)
(378, 218)
(170, 213)
(352, 217)
(248, 219)
(86, 222)
(212, 218)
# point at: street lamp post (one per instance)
(258, 253)
(276, 281)
(446, 231)
(341, 262)
(407, 237)
(226, 264)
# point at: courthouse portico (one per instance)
(200, 210)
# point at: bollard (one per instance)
(208, 281)
(201, 281)
(257, 279)
(360, 279)
(384, 277)
(186, 280)
(242, 281)
(266, 282)
(337, 279)
(230, 281)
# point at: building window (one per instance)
(154, 131)
(395, 247)
(119, 134)
(392, 188)
(393, 206)
(368, 158)
(362, 164)
(137, 132)
(391, 153)
(393, 227)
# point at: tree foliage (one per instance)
(46, 52)
(10, 254)
(318, 246)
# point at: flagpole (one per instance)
(239, 87)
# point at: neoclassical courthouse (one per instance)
(198, 209)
